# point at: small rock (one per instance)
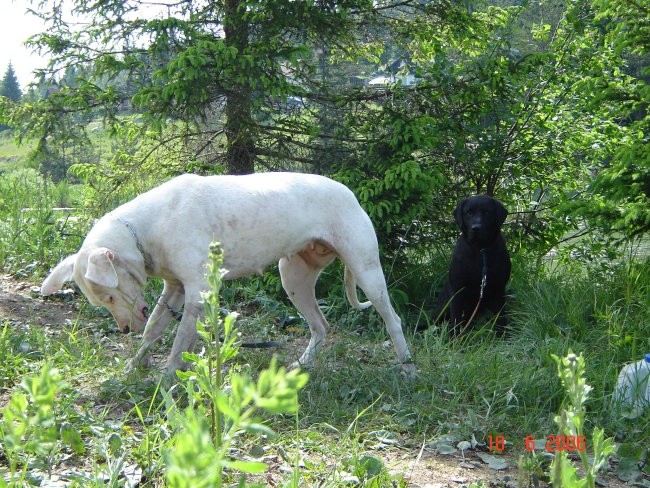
(464, 445)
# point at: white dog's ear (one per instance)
(59, 275)
(100, 268)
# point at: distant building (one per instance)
(399, 72)
(383, 80)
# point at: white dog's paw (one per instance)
(136, 362)
(306, 361)
(408, 371)
(130, 366)
(299, 364)
(175, 364)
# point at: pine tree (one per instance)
(9, 87)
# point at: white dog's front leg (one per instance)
(169, 302)
(186, 335)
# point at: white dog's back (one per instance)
(257, 219)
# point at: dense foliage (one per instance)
(620, 95)
(499, 99)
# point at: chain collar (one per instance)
(138, 244)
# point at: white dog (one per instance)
(304, 221)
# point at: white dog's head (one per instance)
(106, 280)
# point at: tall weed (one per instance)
(222, 404)
(33, 426)
(571, 422)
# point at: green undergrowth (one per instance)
(355, 404)
(70, 410)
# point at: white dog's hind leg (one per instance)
(172, 298)
(299, 281)
(372, 282)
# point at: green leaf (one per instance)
(72, 438)
(372, 466)
(630, 457)
(602, 447)
(260, 429)
(114, 443)
(564, 474)
(225, 408)
(251, 467)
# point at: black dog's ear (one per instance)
(500, 212)
(458, 213)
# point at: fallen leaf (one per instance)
(493, 462)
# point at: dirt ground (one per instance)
(421, 468)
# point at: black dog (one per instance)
(480, 265)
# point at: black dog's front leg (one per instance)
(461, 308)
(498, 307)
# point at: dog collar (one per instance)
(138, 244)
(484, 271)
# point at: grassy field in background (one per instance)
(12, 156)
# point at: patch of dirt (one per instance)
(20, 302)
(427, 469)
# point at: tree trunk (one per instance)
(240, 151)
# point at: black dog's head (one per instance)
(480, 218)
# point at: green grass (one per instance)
(99, 422)
(12, 156)
(477, 385)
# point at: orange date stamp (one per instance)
(560, 443)
(554, 443)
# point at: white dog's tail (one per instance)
(351, 290)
